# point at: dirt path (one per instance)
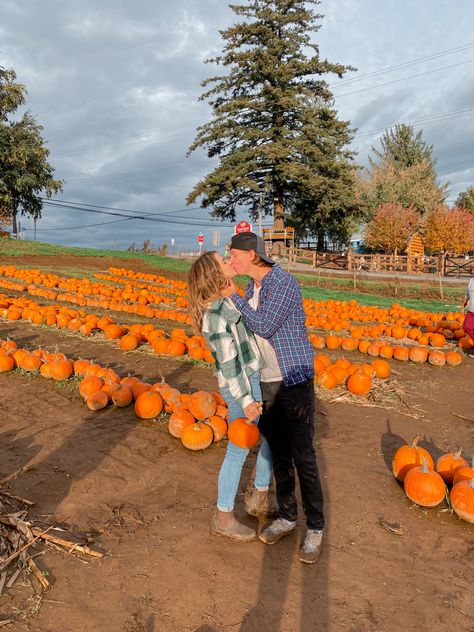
(149, 501)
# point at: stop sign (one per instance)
(200, 239)
(243, 227)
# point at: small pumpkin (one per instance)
(409, 456)
(97, 400)
(90, 385)
(359, 383)
(462, 500)
(148, 405)
(424, 487)
(448, 463)
(179, 420)
(218, 425)
(243, 433)
(122, 397)
(197, 436)
(464, 473)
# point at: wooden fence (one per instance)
(401, 264)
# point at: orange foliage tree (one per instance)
(391, 227)
(449, 230)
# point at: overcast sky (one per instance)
(115, 84)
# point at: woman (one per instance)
(238, 363)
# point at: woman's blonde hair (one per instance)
(205, 281)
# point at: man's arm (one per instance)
(266, 319)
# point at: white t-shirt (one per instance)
(271, 372)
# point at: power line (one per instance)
(140, 173)
(115, 221)
(427, 119)
(387, 83)
(443, 53)
(143, 217)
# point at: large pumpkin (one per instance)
(243, 433)
(409, 456)
(424, 487)
(462, 500)
(202, 405)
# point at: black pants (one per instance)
(287, 423)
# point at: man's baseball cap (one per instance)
(251, 241)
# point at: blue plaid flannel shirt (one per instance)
(280, 318)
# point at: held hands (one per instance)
(253, 410)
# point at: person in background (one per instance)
(273, 310)
(467, 308)
(238, 363)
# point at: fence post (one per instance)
(378, 267)
(314, 259)
(409, 264)
(350, 260)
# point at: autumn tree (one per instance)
(25, 173)
(274, 129)
(403, 172)
(466, 199)
(449, 230)
(391, 227)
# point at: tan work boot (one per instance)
(232, 529)
(258, 503)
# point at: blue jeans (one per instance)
(231, 469)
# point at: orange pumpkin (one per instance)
(148, 405)
(97, 400)
(418, 355)
(424, 487)
(7, 363)
(462, 500)
(219, 427)
(179, 420)
(453, 358)
(463, 473)
(122, 396)
(382, 368)
(202, 405)
(90, 385)
(409, 456)
(243, 433)
(448, 463)
(437, 358)
(197, 436)
(359, 383)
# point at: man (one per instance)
(273, 309)
(468, 302)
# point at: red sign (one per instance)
(200, 239)
(243, 227)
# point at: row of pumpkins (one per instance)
(425, 481)
(198, 419)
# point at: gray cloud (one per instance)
(116, 86)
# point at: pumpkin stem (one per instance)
(457, 454)
(418, 437)
(424, 467)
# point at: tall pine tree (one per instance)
(274, 127)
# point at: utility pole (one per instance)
(260, 216)
(34, 233)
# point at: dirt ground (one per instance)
(149, 501)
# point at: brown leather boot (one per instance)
(260, 503)
(232, 529)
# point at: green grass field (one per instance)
(314, 286)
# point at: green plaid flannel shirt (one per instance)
(234, 349)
